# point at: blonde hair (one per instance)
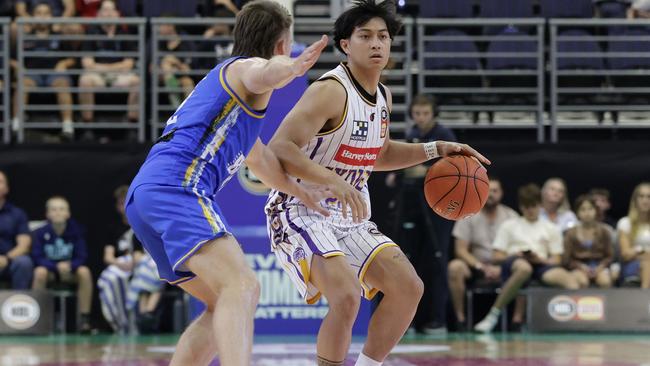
(633, 212)
(564, 205)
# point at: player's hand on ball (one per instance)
(446, 148)
(309, 56)
(348, 196)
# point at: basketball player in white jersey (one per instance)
(335, 136)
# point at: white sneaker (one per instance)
(15, 124)
(68, 129)
(487, 324)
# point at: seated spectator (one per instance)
(174, 69)
(105, 70)
(58, 65)
(60, 254)
(555, 204)
(15, 241)
(88, 8)
(640, 9)
(588, 249)
(128, 267)
(634, 238)
(602, 198)
(426, 128)
(59, 8)
(221, 9)
(474, 237)
(527, 247)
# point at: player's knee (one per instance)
(414, 288)
(84, 273)
(248, 285)
(522, 268)
(346, 301)
(40, 273)
(456, 269)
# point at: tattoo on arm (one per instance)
(325, 362)
(400, 257)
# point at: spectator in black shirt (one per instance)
(105, 70)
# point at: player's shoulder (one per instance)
(328, 89)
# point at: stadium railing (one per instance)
(5, 89)
(111, 105)
(485, 73)
(599, 74)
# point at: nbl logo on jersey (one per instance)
(359, 131)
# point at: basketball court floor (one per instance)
(449, 350)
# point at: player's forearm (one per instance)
(397, 155)
(273, 74)
(296, 164)
(269, 170)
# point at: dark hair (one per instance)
(422, 99)
(582, 199)
(529, 195)
(41, 2)
(360, 13)
(599, 192)
(258, 27)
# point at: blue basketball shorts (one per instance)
(173, 223)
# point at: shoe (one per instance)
(67, 131)
(487, 324)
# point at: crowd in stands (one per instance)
(54, 254)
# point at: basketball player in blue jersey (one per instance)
(338, 132)
(171, 202)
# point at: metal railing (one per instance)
(5, 88)
(463, 62)
(306, 30)
(591, 73)
(76, 53)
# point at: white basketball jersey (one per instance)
(351, 147)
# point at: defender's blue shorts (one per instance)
(173, 223)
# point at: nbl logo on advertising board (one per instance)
(578, 308)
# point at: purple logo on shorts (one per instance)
(299, 254)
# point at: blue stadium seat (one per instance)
(185, 8)
(624, 46)
(522, 63)
(612, 9)
(588, 45)
(446, 8)
(567, 8)
(466, 44)
(506, 8)
(127, 8)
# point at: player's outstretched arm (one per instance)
(259, 76)
(322, 102)
(265, 165)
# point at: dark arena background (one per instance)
(543, 88)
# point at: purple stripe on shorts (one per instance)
(318, 143)
(303, 234)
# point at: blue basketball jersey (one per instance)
(206, 140)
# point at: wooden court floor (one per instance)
(449, 350)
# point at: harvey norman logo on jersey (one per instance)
(358, 156)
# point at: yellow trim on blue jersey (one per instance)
(208, 215)
(180, 280)
(369, 293)
(224, 83)
(189, 173)
(345, 109)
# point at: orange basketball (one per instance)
(456, 187)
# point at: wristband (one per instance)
(431, 150)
